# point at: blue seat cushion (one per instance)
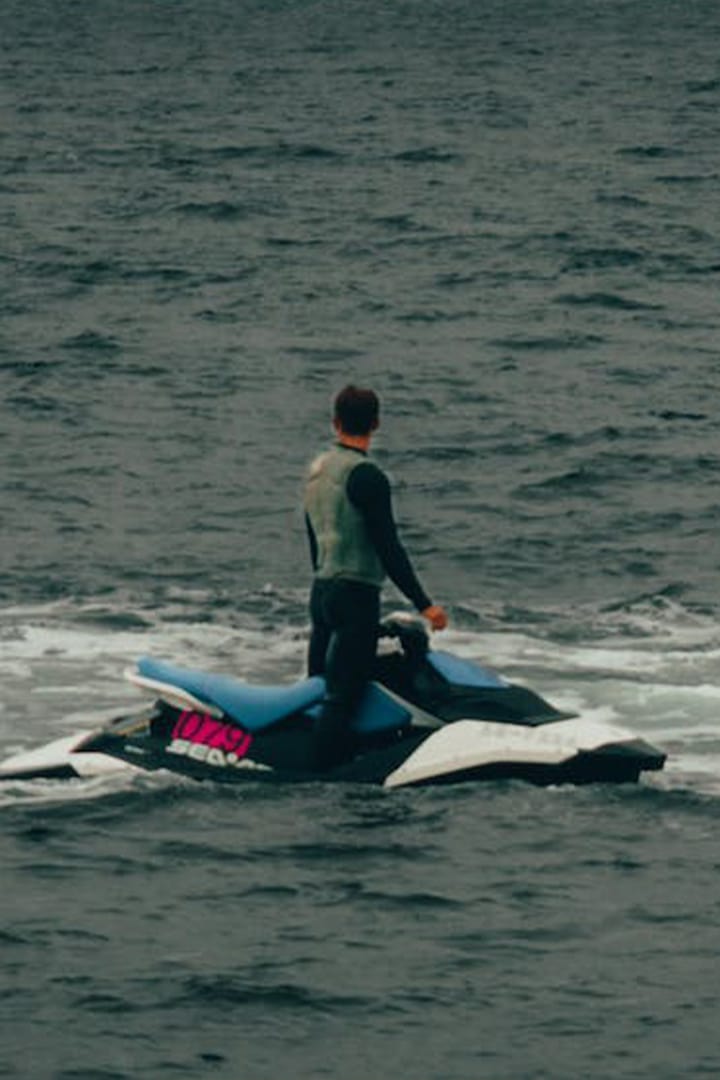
(258, 707)
(254, 707)
(379, 712)
(461, 672)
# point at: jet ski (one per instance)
(428, 717)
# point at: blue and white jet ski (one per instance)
(428, 717)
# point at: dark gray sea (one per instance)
(503, 216)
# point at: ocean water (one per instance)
(502, 216)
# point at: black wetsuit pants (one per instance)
(345, 616)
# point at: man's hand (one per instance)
(436, 616)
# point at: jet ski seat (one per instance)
(255, 707)
(258, 707)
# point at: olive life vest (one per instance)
(344, 549)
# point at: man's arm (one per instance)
(369, 490)
(312, 541)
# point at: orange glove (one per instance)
(436, 616)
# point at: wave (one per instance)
(92, 341)
(611, 301)
(550, 343)
(220, 210)
(267, 153)
(428, 155)
(652, 151)
(604, 258)
(257, 994)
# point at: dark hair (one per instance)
(357, 410)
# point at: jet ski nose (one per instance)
(619, 762)
(651, 757)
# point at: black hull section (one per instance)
(275, 758)
(596, 767)
(50, 772)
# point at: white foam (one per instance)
(62, 791)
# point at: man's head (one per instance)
(356, 411)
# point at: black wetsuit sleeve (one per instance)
(312, 542)
(368, 489)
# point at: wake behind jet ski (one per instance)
(428, 717)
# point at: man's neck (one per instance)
(355, 442)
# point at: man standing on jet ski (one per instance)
(353, 546)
